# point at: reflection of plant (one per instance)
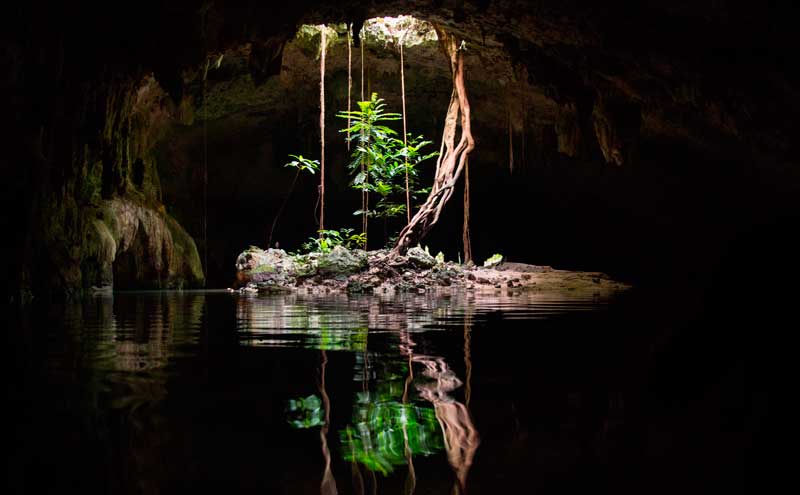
(332, 339)
(377, 439)
(328, 239)
(305, 413)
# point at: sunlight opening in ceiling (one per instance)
(404, 29)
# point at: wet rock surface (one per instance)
(381, 272)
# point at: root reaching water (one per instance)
(450, 164)
(323, 49)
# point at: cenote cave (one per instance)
(435, 246)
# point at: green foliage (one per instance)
(380, 159)
(328, 239)
(303, 164)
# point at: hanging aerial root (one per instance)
(349, 79)
(405, 144)
(465, 231)
(450, 164)
(323, 48)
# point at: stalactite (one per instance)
(449, 165)
(323, 49)
(405, 143)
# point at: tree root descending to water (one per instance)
(452, 157)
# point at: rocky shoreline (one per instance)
(342, 270)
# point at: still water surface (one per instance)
(169, 392)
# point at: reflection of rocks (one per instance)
(340, 321)
(142, 345)
(118, 349)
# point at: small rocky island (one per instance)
(383, 272)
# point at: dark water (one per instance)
(176, 392)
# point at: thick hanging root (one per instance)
(451, 162)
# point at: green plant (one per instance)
(301, 164)
(328, 239)
(380, 160)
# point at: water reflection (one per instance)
(406, 406)
(166, 387)
(340, 322)
(390, 425)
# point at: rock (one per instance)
(420, 258)
(270, 270)
(341, 260)
(270, 260)
(137, 247)
(617, 124)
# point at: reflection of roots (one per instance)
(460, 436)
(328, 485)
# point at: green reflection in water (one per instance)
(339, 340)
(377, 439)
(305, 413)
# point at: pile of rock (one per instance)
(381, 272)
(342, 269)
